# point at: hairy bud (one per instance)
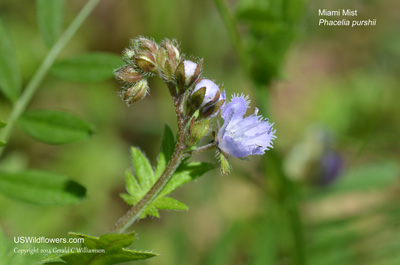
(172, 49)
(128, 74)
(145, 61)
(136, 92)
(186, 74)
(197, 130)
(142, 43)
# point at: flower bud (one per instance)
(207, 97)
(142, 43)
(145, 61)
(197, 130)
(211, 91)
(171, 47)
(187, 73)
(136, 92)
(128, 74)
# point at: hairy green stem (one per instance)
(22, 103)
(202, 148)
(178, 156)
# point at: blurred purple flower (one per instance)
(241, 137)
(331, 167)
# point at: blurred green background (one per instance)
(337, 93)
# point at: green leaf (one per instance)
(42, 188)
(150, 210)
(2, 143)
(55, 127)
(167, 149)
(108, 249)
(185, 173)
(2, 124)
(138, 186)
(133, 187)
(10, 79)
(167, 203)
(87, 67)
(50, 18)
(143, 169)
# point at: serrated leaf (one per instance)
(150, 210)
(185, 173)
(55, 127)
(128, 198)
(42, 188)
(10, 78)
(167, 149)
(50, 18)
(132, 186)
(110, 249)
(167, 203)
(90, 67)
(143, 170)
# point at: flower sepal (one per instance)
(225, 166)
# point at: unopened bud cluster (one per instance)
(145, 58)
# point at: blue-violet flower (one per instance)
(241, 137)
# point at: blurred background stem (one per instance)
(22, 103)
(281, 192)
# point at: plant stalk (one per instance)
(202, 148)
(22, 103)
(178, 156)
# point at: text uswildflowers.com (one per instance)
(46, 240)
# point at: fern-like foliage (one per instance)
(144, 177)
